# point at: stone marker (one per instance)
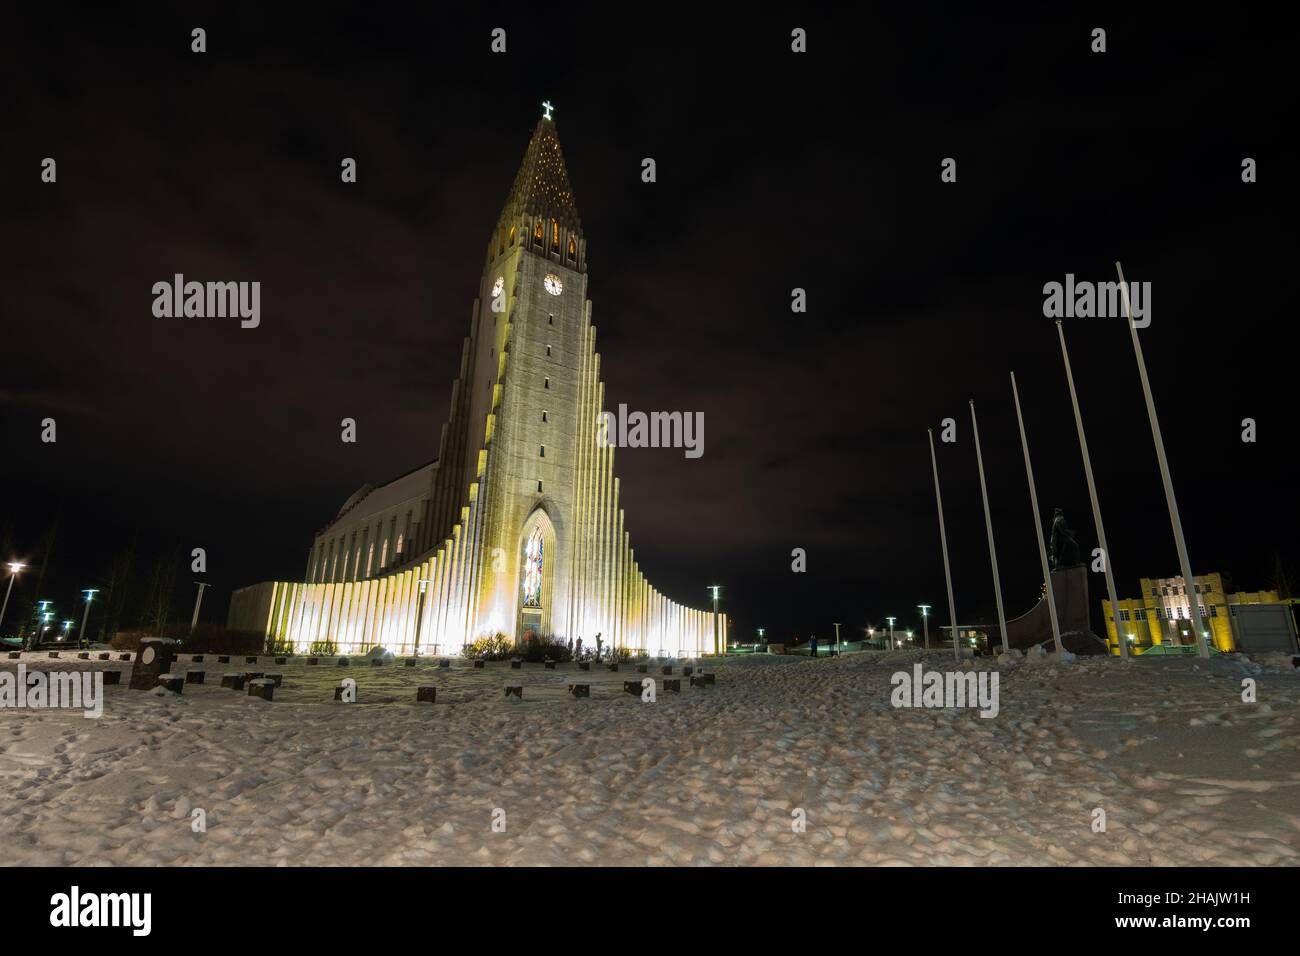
(104, 657)
(124, 657)
(688, 670)
(156, 657)
(84, 656)
(14, 655)
(409, 662)
(223, 659)
(478, 665)
(233, 681)
(112, 677)
(173, 682)
(342, 662)
(281, 661)
(632, 687)
(702, 680)
(426, 694)
(278, 679)
(263, 688)
(515, 665)
(667, 669)
(250, 660)
(196, 658)
(515, 690)
(195, 677)
(550, 665)
(584, 665)
(444, 663)
(673, 684)
(641, 668)
(54, 654)
(580, 690)
(613, 667)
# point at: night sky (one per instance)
(775, 171)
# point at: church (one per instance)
(515, 528)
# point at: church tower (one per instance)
(515, 528)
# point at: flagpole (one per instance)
(1194, 609)
(943, 539)
(1038, 522)
(1092, 494)
(988, 526)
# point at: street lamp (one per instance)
(14, 568)
(891, 621)
(925, 622)
(715, 588)
(67, 623)
(90, 595)
(761, 631)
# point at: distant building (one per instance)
(973, 636)
(1163, 614)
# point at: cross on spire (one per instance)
(548, 106)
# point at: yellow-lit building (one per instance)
(1163, 615)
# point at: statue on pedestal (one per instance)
(1064, 548)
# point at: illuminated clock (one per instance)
(553, 285)
(499, 286)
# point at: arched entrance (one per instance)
(536, 578)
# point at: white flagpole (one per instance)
(988, 526)
(1038, 522)
(1194, 611)
(1092, 494)
(943, 539)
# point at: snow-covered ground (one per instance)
(1185, 772)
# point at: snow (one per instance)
(1185, 771)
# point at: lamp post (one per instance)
(761, 631)
(715, 588)
(837, 637)
(925, 622)
(90, 596)
(14, 568)
(67, 623)
(40, 619)
(891, 631)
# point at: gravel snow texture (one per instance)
(1185, 771)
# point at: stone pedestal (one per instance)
(15, 655)
(673, 684)
(195, 677)
(277, 679)
(250, 660)
(313, 661)
(342, 662)
(281, 661)
(124, 657)
(613, 667)
(478, 665)
(702, 680)
(112, 677)
(156, 657)
(223, 659)
(233, 681)
(687, 670)
(516, 665)
(104, 657)
(173, 682)
(632, 687)
(54, 655)
(444, 663)
(580, 690)
(263, 688)
(409, 662)
(426, 694)
(84, 656)
(667, 669)
(515, 690)
(196, 658)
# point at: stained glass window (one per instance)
(533, 569)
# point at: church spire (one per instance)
(540, 209)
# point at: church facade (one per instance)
(515, 528)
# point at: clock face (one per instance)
(499, 286)
(553, 285)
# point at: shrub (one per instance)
(537, 649)
(494, 647)
(324, 648)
